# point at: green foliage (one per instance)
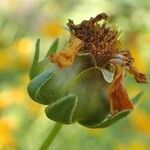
(35, 60)
(53, 48)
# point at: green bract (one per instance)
(74, 94)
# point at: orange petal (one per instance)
(118, 97)
(66, 57)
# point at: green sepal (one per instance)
(91, 89)
(113, 119)
(118, 116)
(35, 60)
(36, 84)
(53, 48)
(42, 66)
(63, 109)
(136, 98)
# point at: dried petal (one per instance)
(118, 97)
(66, 57)
(139, 77)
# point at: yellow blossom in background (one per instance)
(5, 60)
(11, 96)
(141, 121)
(6, 138)
(133, 145)
(17, 95)
(137, 145)
(51, 29)
(137, 60)
(23, 48)
(5, 100)
(136, 51)
(17, 55)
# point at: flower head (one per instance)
(101, 42)
(84, 82)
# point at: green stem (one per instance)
(48, 141)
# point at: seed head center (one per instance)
(99, 40)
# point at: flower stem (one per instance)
(48, 141)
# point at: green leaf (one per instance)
(35, 60)
(53, 48)
(137, 97)
(62, 110)
(113, 119)
(36, 84)
(41, 66)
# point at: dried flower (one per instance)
(102, 44)
(87, 84)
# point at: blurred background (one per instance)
(23, 124)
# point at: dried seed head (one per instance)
(99, 40)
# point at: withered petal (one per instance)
(139, 77)
(65, 58)
(118, 97)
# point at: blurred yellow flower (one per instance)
(6, 138)
(137, 60)
(24, 47)
(11, 96)
(51, 29)
(134, 47)
(4, 99)
(5, 60)
(133, 145)
(17, 55)
(137, 145)
(141, 121)
(23, 50)
(18, 94)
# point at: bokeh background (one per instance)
(23, 124)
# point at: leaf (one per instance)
(53, 48)
(42, 65)
(35, 85)
(137, 97)
(113, 119)
(62, 110)
(110, 120)
(35, 60)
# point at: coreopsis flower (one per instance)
(84, 82)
